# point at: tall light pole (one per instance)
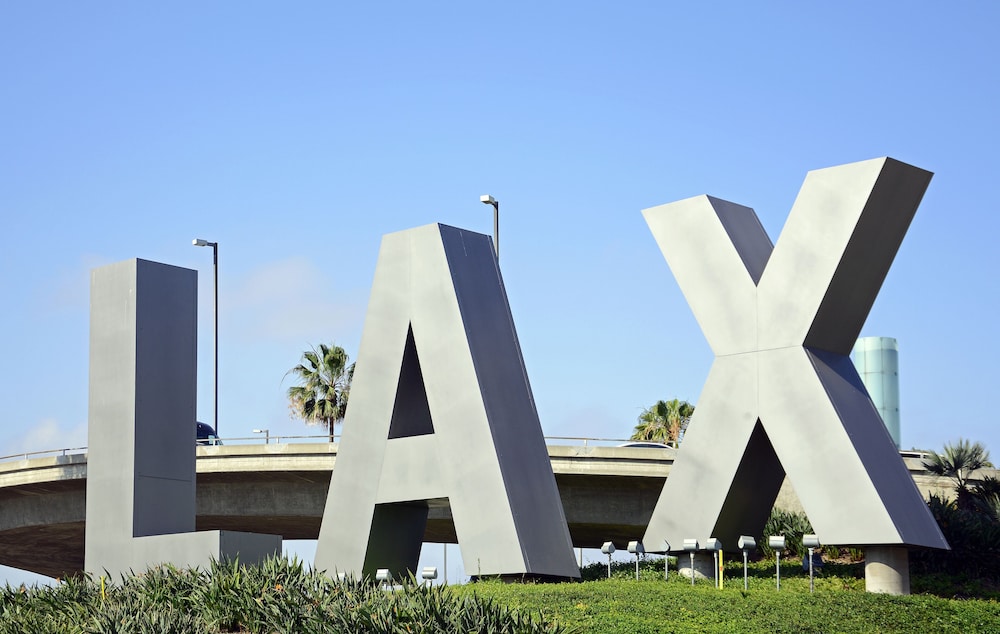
(486, 199)
(198, 242)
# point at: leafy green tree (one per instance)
(664, 421)
(324, 376)
(957, 463)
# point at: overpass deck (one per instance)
(608, 493)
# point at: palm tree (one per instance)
(957, 463)
(664, 421)
(324, 378)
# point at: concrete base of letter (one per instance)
(887, 569)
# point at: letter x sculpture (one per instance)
(782, 395)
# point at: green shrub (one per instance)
(974, 536)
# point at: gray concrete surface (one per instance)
(607, 493)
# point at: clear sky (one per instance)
(297, 134)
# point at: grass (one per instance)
(839, 603)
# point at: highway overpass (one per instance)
(608, 493)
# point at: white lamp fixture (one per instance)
(777, 544)
(428, 574)
(637, 549)
(691, 546)
(747, 544)
(715, 546)
(608, 548)
(810, 542)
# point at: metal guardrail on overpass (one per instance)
(281, 488)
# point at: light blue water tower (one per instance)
(877, 361)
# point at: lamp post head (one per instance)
(198, 242)
(607, 548)
(486, 199)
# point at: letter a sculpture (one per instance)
(441, 409)
(782, 395)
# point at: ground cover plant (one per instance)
(279, 596)
(839, 603)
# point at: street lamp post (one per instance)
(267, 434)
(493, 202)
(198, 242)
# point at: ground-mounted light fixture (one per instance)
(810, 542)
(666, 559)
(777, 544)
(384, 577)
(691, 546)
(637, 549)
(608, 548)
(428, 574)
(715, 546)
(747, 544)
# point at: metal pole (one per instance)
(810, 570)
(445, 563)
(692, 567)
(609, 565)
(215, 266)
(777, 568)
(637, 566)
(715, 563)
(744, 571)
(496, 228)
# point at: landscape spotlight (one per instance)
(777, 544)
(637, 549)
(383, 576)
(691, 546)
(608, 548)
(746, 544)
(715, 546)
(810, 542)
(666, 559)
(428, 573)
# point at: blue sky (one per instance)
(297, 135)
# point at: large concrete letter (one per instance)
(441, 409)
(141, 428)
(782, 395)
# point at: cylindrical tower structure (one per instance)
(877, 361)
